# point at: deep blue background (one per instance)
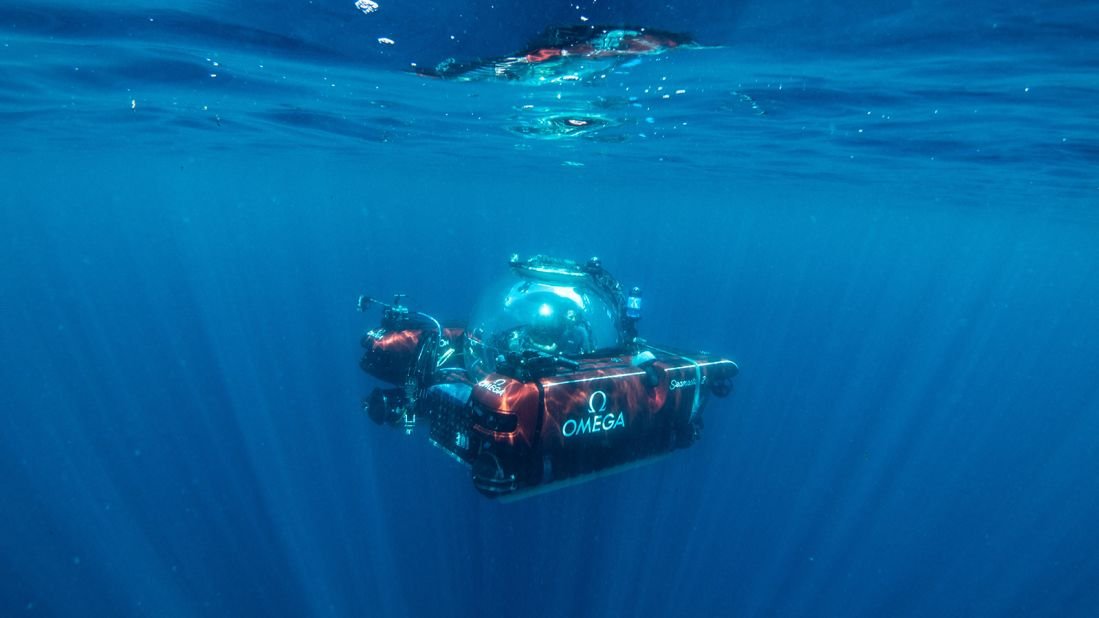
(913, 431)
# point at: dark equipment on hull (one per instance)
(546, 385)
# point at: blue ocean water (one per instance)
(885, 213)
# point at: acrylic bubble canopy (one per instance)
(558, 311)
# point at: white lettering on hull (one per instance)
(495, 386)
(598, 419)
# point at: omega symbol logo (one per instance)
(599, 396)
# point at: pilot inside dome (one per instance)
(552, 330)
(544, 317)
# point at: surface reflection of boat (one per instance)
(571, 53)
(547, 384)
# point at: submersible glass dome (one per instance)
(556, 311)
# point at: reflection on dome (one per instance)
(550, 311)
